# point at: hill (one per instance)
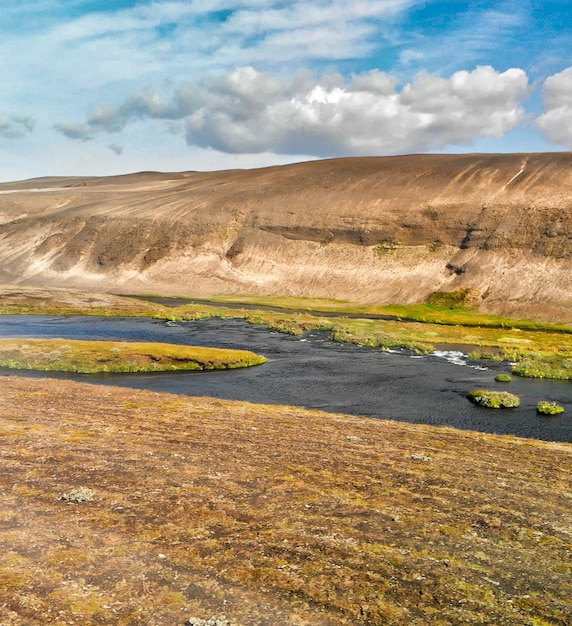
(370, 230)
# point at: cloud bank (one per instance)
(248, 111)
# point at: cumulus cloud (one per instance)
(16, 126)
(143, 105)
(146, 104)
(81, 132)
(248, 111)
(556, 123)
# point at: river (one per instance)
(314, 372)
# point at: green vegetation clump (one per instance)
(503, 378)
(451, 299)
(79, 494)
(543, 366)
(386, 247)
(546, 407)
(88, 357)
(353, 333)
(494, 399)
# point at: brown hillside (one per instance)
(372, 230)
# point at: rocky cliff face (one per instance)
(371, 230)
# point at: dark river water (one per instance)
(317, 373)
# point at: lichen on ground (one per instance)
(271, 515)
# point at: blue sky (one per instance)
(108, 87)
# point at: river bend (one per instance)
(314, 372)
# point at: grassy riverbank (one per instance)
(271, 515)
(542, 353)
(443, 310)
(106, 356)
(538, 350)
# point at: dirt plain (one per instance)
(270, 515)
(369, 230)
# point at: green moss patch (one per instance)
(494, 399)
(451, 299)
(108, 356)
(503, 378)
(538, 365)
(546, 407)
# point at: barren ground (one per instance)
(271, 515)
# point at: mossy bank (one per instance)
(107, 356)
(538, 350)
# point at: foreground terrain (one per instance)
(369, 230)
(270, 515)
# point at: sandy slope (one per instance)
(372, 230)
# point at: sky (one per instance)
(116, 86)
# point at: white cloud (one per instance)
(145, 104)
(248, 111)
(16, 126)
(82, 132)
(143, 40)
(368, 115)
(556, 123)
(280, 17)
(24, 120)
(323, 29)
(60, 64)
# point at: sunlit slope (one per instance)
(371, 230)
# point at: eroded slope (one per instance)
(370, 230)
